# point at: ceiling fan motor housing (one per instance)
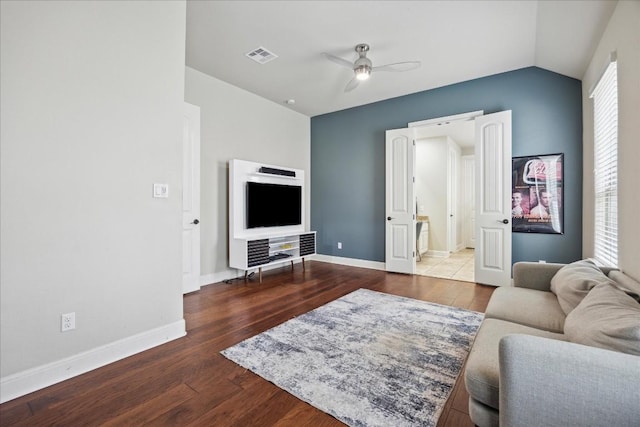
(362, 62)
(362, 66)
(362, 49)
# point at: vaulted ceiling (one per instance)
(454, 40)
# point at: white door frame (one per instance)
(191, 199)
(452, 193)
(500, 269)
(469, 203)
(447, 119)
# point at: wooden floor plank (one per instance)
(304, 414)
(150, 409)
(13, 413)
(188, 382)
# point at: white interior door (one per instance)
(400, 202)
(452, 197)
(191, 199)
(493, 198)
(469, 204)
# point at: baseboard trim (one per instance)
(229, 274)
(353, 262)
(210, 279)
(25, 382)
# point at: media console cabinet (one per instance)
(267, 216)
(261, 251)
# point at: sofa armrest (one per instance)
(534, 275)
(546, 382)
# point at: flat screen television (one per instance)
(273, 205)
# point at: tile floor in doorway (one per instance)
(458, 266)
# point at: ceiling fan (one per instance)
(363, 67)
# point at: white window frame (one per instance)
(605, 118)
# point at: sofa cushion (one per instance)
(626, 283)
(482, 372)
(608, 318)
(528, 307)
(574, 281)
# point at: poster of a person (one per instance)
(518, 204)
(541, 210)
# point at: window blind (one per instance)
(605, 110)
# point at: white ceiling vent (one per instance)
(261, 55)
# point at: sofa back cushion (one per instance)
(574, 281)
(608, 317)
(626, 283)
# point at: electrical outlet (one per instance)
(339, 245)
(67, 322)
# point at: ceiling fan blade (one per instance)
(398, 66)
(352, 85)
(339, 60)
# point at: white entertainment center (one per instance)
(267, 216)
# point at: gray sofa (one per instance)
(561, 347)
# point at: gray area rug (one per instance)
(368, 358)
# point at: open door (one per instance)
(191, 199)
(493, 199)
(453, 178)
(400, 202)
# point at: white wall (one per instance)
(91, 117)
(238, 124)
(621, 35)
(431, 188)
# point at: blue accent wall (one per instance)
(348, 165)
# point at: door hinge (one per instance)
(414, 254)
(414, 179)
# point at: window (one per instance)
(605, 115)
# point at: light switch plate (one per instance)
(161, 190)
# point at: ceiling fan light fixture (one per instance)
(362, 72)
(363, 67)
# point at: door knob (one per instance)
(196, 222)
(504, 221)
(389, 218)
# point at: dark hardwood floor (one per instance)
(187, 382)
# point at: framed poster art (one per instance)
(537, 194)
